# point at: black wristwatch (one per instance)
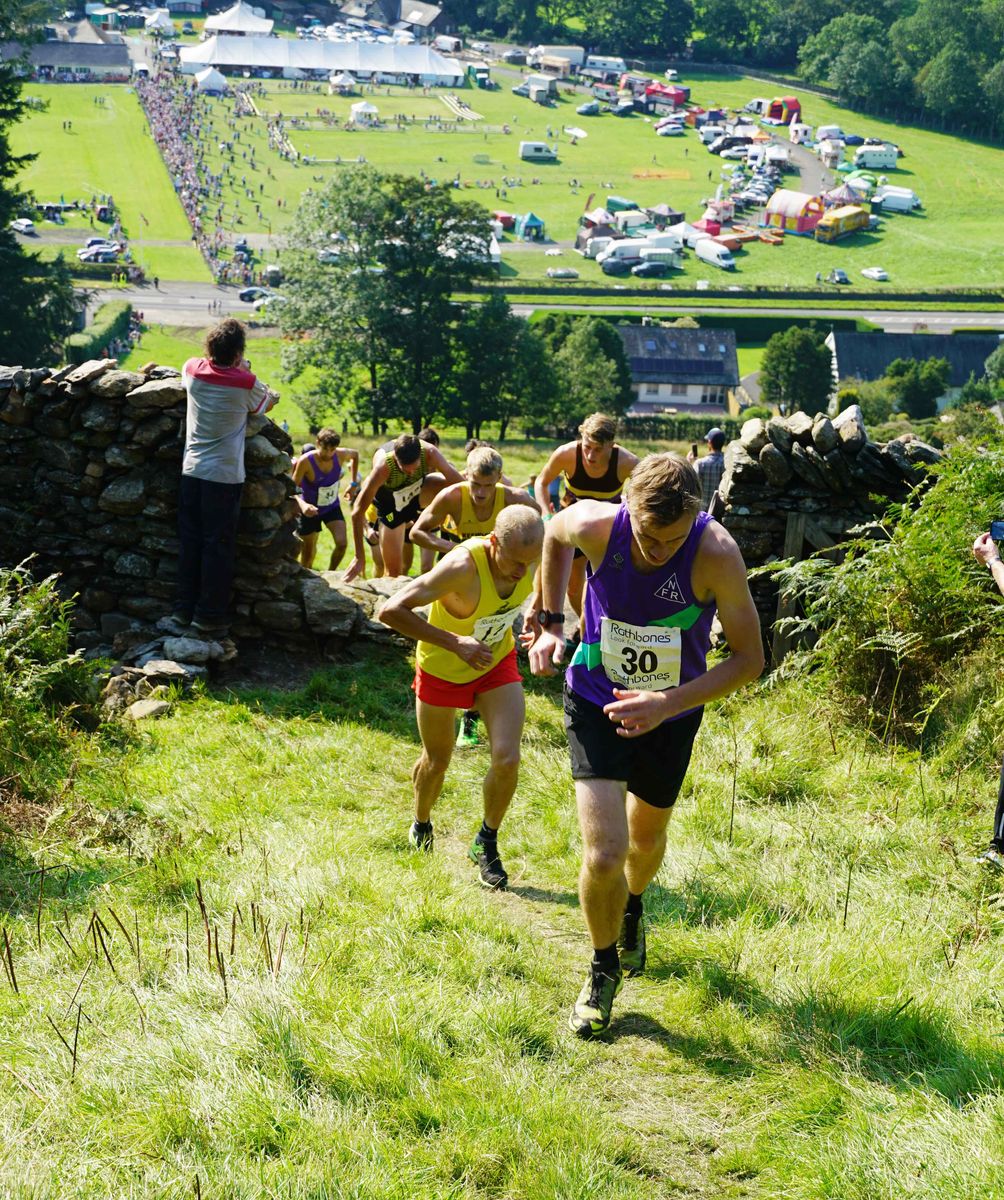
(546, 618)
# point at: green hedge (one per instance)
(749, 327)
(679, 429)
(110, 321)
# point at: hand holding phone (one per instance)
(997, 530)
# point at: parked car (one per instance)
(481, 47)
(250, 294)
(876, 273)
(837, 276)
(670, 130)
(22, 225)
(268, 301)
(104, 243)
(737, 152)
(650, 270)
(853, 139)
(617, 266)
(99, 254)
(590, 109)
(521, 90)
(562, 273)
(187, 27)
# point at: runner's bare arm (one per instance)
(447, 503)
(552, 469)
(719, 573)
(456, 572)
(302, 471)
(352, 457)
(584, 526)
(626, 463)
(379, 474)
(514, 495)
(434, 457)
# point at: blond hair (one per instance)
(664, 487)
(484, 460)
(519, 524)
(598, 428)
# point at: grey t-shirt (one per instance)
(219, 402)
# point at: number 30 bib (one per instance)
(640, 656)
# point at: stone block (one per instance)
(155, 430)
(804, 468)
(775, 466)
(123, 456)
(157, 393)
(824, 436)
(780, 435)
(850, 427)
(279, 614)
(113, 385)
(259, 452)
(124, 496)
(136, 566)
(115, 622)
(328, 610)
(143, 710)
(98, 600)
(799, 425)
(263, 492)
(187, 649)
(90, 370)
(753, 435)
(100, 418)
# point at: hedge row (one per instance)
(749, 327)
(671, 428)
(110, 321)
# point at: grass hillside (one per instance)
(821, 1016)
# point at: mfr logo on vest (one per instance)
(670, 591)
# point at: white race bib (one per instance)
(327, 495)
(642, 657)
(403, 496)
(492, 629)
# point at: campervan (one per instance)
(876, 158)
(546, 83)
(829, 131)
(670, 255)
(603, 62)
(538, 152)
(759, 106)
(595, 246)
(708, 133)
(895, 199)
(664, 239)
(710, 251)
(631, 219)
(831, 152)
(447, 44)
(624, 248)
(799, 133)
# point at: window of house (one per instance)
(649, 343)
(651, 389)
(679, 389)
(712, 395)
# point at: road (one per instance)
(192, 304)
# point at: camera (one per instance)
(997, 530)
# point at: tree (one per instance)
(588, 377)
(974, 393)
(916, 386)
(950, 82)
(375, 263)
(503, 368)
(37, 305)
(796, 372)
(994, 365)
(637, 25)
(556, 328)
(845, 33)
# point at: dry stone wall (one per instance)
(90, 461)
(828, 472)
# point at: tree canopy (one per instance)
(796, 372)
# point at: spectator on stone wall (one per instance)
(986, 552)
(222, 392)
(711, 468)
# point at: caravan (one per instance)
(877, 158)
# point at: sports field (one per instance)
(108, 150)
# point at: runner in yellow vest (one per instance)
(467, 655)
(462, 511)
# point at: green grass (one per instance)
(412, 1041)
(108, 151)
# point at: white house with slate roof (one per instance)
(686, 371)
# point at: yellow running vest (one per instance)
(491, 623)
(471, 525)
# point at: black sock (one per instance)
(487, 834)
(607, 960)
(423, 826)
(634, 907)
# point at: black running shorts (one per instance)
(307, 525)
(393, 517)
(653, 766)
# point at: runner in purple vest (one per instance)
(636, 688)
(318, 473)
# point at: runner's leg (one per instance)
(602, 884)
(646, 842)
(308, 548)
(392, 547)
(504, 711)
(338, 532)
(435, 727)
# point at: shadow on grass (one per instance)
(545, 895)
(903, 1045)
(700, 905)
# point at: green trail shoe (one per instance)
(491, 872)
(631, 944)
(991, 857)
(467, 736)
(591, 1014)
(420, 839)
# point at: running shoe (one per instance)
(631, 944)
(420, 839)
(991, 857)
(467, 737)
(493, 874)
(591, 1014)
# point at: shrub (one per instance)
(898, 619)
(110, 321)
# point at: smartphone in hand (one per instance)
(997, 530)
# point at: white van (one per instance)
(895, 199)
(595, 246)
(538, 152)
(668, 239)
(624, 248)
(690, 235)
(876, 158)
(710, 251)
(710, 133)
(447, 44)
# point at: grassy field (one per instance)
(108, 151)
(820, 1020)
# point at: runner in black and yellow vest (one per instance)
(595, 468)
(466, 655)
(406, 476)
(462, 511)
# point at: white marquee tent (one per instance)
(361, 58)
(364, 113)
(242, 18)
(159, 21)
(210, 80)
